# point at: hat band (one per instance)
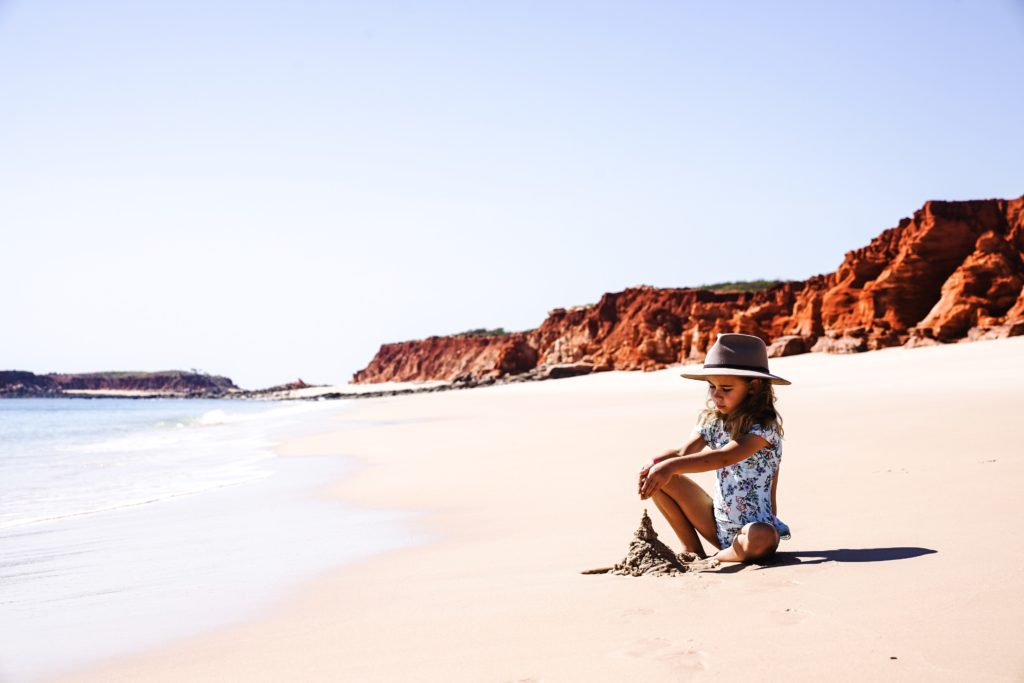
(733, 366)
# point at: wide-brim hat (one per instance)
(741, 355)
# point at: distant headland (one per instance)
(168, 383)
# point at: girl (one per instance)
(744, 433)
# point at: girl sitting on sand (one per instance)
(740, 519)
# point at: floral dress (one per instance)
(743, 491)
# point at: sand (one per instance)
(901, 481)
(351, 389)
(647, 555)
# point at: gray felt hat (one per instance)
(741, 355)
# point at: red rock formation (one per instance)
(647, 328)
(953, 272)
(953, 266)
(450, 358)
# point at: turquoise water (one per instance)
(124, 523)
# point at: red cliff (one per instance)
(450, 358)
(953, 272)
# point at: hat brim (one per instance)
(705, 373)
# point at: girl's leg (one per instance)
(755, 541)
(688, 509)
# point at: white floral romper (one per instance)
(743, 492)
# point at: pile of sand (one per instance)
(647, 556)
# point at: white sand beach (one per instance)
(900, 480)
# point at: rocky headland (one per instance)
(168, 383)
(953, 272)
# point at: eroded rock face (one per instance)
(952, 272)
(953, 266)
(463, 358)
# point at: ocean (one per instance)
(127, 523)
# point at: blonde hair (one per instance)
(758, 407)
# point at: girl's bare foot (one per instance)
(687, 558)
(701, 564)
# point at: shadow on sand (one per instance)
(794, 557)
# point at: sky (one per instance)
(270, 190)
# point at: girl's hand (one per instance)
(656, 476)
(646, 468)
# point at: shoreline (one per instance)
(102, 579)
(523, 486)
(321, 392)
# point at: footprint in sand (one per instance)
(636, 612)
(679, 658)
(774, 582)
(646, 646)
(792, 615)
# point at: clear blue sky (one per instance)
(272, 190)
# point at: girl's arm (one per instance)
(775, 488)
(733, 452)
(696, 445)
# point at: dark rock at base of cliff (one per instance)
(277, 389)
(787, 345)
(562, 370)
(980, 333)
(845, 343)
(557, 371)
(920, 337)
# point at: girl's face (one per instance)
(727, 392)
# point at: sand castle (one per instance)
(647, 556)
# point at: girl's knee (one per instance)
(761, 540)
(663, 501)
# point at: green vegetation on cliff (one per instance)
(482, 332)
(742, 285)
